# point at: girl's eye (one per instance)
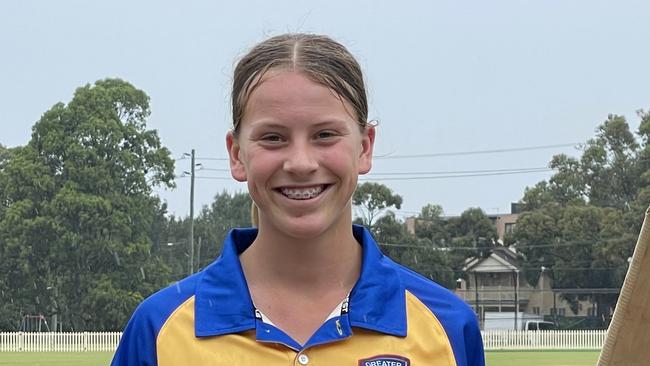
(271, 138)
(325, 134)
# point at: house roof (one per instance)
(500, 260)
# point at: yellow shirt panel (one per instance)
(425, 344)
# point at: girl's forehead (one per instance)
(287, 85)
(293, 93)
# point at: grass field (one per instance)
(543, 358)
(506, 358)
(55, 358)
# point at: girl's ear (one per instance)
(367, 144)
(237, 168)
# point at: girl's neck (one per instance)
(330, 261)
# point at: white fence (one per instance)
(59, 342)
(543, 340)
(492, 340)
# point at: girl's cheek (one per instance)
(340, 153)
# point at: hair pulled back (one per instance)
(319, 57)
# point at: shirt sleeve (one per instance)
(138, 343)
(474, 345)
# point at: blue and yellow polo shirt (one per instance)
(392, 317)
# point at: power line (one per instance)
(211, 158)
(216, 170)
(464, 171)
(459, 175)
(213, 178)
(478, 152)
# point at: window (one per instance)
(536, 310)
(546, 326)
(558, 311)
(509, 227)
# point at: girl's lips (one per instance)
(302, 193)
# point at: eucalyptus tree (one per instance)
(79, 209)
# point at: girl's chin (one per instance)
(305, 228)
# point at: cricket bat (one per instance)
(628, 338)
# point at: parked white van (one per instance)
(539, 325)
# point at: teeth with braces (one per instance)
(302, 194)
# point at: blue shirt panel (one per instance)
(455, 315)
(138, 343)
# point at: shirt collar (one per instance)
(223, 304)
(378, 300)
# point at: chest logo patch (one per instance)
(385, 360)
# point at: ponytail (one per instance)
(255, 215)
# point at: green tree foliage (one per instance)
(430, 224)
(642, 201)
(471, 234)
(474, 223)
(606, 175)
(4, 155)
(215, 221)
(8, 306)
(582, 246)
(582, 224)
(428, 260)
(211, 226)
(389, 229)
(78, 211)
(373, 199)
(171, 244)
(416, 253)
(536, 231)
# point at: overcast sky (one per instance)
(443, 76)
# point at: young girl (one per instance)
(306, 287)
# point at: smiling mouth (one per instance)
(304, 193)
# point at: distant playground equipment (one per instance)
(34, 323)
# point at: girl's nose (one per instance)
(300, 160)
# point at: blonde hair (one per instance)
(255, 215)
(319, 57)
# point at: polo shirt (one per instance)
(393, 317)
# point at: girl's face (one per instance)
(300, 150)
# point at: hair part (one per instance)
(319, 57)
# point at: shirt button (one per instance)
(303, 359)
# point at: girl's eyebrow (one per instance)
(267, 124)
(327, 122)
(277, 125)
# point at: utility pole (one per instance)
(478, 306)
(515, 274)
(198, 255)
(543, 289)
(192, 216)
